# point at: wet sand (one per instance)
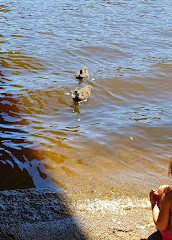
(44, 214)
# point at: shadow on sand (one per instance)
(154, 236)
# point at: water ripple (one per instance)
(45, 135)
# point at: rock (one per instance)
(82, 93)
(37, 214)
(82, 73)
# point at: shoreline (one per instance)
(45, 214)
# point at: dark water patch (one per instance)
(20, 167)
(151, 114)
(12, 177)
(13, 174)
(4, 8)
(15, 60)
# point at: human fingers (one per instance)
(152, 195)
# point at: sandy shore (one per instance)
(43, 214)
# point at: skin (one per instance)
(161, 202)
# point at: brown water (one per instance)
(120, 139)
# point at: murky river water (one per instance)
(121, 137)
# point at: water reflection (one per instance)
(20, 161)
(4, 8)
(32, 143)
(25, 161)
(15, 61)
(76, 107)
(18, 166)
(13, 174)
(129, 64)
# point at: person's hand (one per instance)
(168, 194)
(167, 189)
(154, 197)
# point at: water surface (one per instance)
(120, 137)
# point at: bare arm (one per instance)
(161, 213)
